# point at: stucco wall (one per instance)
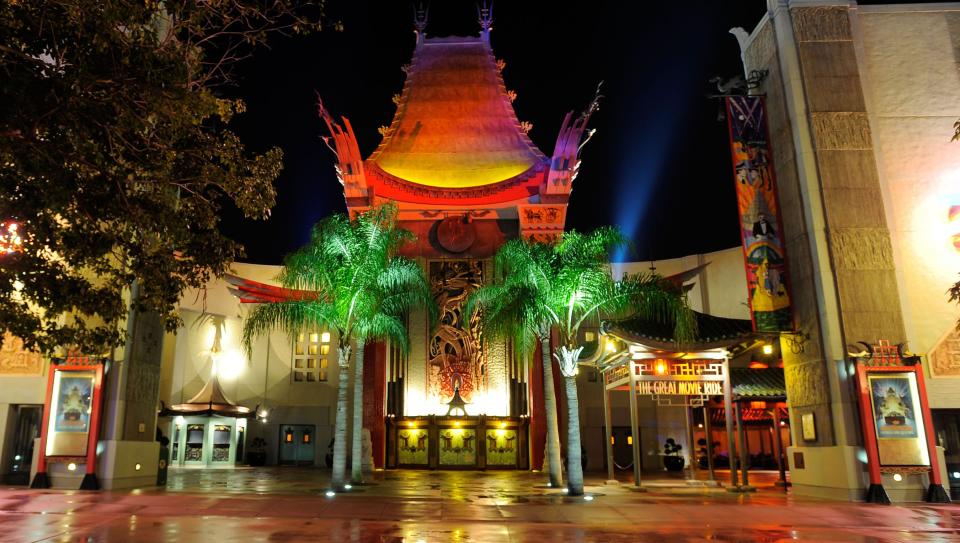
(720, 289)
(909, 63)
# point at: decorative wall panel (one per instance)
(455, 355)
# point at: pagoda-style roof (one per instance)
(712, 332)
(210, 401)
(455, 127)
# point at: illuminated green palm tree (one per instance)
(361, 289)
(565, 286)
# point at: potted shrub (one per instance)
(671, 455)
(257, 455)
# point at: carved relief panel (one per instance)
(455, 355)
(15, 360)
(945, 357)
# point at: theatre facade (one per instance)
(850, 219)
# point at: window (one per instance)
(310, 353)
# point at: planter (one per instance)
(673, 463)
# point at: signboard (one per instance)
(684, 388)
(71, 406)
(670, 382)
(895, 418)
(761, 230)
(71, 418)
(898, 420)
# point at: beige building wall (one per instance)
(720, 289)
(263, 379)
(861, 103)
(909, 64)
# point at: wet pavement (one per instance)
(288, 504)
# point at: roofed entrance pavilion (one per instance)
(643, 359)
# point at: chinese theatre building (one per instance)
(466, 177)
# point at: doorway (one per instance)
(623, 444)
(297, 444)
(21, 453)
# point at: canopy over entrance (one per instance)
(644, 358)
(210, 401)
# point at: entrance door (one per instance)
(296, 444)
(27, 429)
(623, 444)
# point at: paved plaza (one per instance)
(278, 504)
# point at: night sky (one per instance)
(658, 166)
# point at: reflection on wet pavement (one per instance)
(276, 504)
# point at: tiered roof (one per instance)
(455, 127)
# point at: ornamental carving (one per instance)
(821, 23)
(542, 237)
(16, 360)
(945, 357)
(542, 215)
(841, 130)
(456, 359)
(806, 384)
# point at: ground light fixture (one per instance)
(330, 493)
(588, 498)
(348, 487)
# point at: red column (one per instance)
(374, 398)
(538, 424)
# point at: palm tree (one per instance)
(565, 286)
(358, 287)
(515, 307)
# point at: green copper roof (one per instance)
(758, 384)
(710, 330)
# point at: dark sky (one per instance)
(658, 166)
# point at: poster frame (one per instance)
(84, 365)
(887, 359)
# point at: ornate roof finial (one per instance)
(420, 13)
(485, 13)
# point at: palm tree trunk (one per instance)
(550, 411)
(356, 471)
(338, 477)
(574, 468)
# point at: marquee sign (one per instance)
(670, 382)
(895, 418)
(761, 229)
(682, 388)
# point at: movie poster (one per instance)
(898, 419)
(75, 395)
(760, 229)
(71, 408)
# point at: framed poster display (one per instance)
(898, 419)
(895, 419)
(71, 419)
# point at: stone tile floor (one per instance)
(287, 504)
